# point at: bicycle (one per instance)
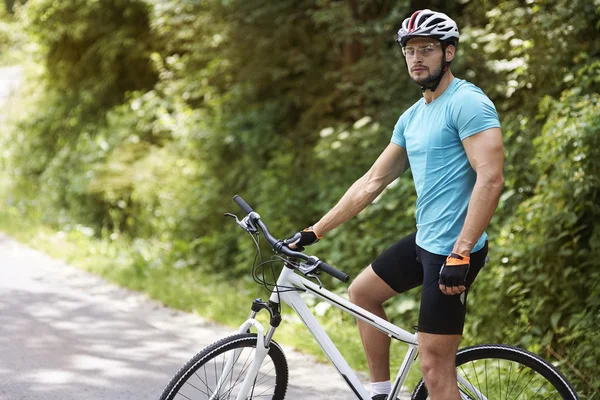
(251, 365)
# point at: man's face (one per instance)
(424, 58)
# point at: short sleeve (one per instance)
(474, 112)
(398, 135)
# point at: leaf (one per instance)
(554, 318)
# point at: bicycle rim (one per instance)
(218, 372)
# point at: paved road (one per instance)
(66, 334)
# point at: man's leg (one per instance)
(438, 365)
(369, 291)
(441, 321)
(395, 271)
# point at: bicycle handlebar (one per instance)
(243, 205)
(336, 273)
(280, 247)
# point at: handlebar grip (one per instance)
(336, 273)
(243, 205)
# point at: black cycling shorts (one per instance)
(405, 265)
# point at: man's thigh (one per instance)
(440, 313)
(370, 288)
(398, 266)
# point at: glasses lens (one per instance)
(408, 51)
(426, 50)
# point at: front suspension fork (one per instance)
(262, 347)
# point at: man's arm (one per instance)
(389, 166)
(486, 155)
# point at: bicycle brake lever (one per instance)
(309, 266)
(316, 276)
(232, 216)
(246, 223)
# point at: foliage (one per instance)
(562, 257)
(12, 39)
(145, 117)
(93, 51)
(89, 63)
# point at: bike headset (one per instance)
(431, 24)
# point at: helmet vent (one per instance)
(435, 21)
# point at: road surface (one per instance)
(67, 334)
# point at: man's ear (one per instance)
(450, 51)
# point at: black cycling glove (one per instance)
(454, 271)
(303, 238)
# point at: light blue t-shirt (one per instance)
(432, 135)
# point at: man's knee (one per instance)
(438, 359)
(358, 290)
(436, 366)
(369, 289)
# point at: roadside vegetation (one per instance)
(138, 121)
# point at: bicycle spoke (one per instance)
(508, 383)
(253, 387)
(515, 384)
(202, 381)
(240, 376)
(266, 375)
(264, 391)
(198, 389)
(468, 379)
(219, 381)
(524, 387)
(503, 379)
(499, 382)
(486, 378)
(478, 384)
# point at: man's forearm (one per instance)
(482, 206)
(361, 194)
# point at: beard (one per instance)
(433, 76)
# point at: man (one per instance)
(452, 141)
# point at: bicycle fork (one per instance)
(262, 349)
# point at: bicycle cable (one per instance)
(258, 270)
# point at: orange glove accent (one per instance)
(310, 229)
(456, 259)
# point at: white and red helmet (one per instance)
(427, 23)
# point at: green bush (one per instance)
(93, 51)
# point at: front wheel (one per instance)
(504, 372)
(218, 371)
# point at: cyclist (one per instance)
(452, 141)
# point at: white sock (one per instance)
(380, 388)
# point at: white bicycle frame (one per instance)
(288, 278)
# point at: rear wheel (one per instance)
(504, 372)
(206, 377)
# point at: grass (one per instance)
(129, 264)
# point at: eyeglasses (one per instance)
(425, 51)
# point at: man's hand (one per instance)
(453, 274)
(303, 238)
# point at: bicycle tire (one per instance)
(193, 380)
(523, 374)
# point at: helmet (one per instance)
(427, 23)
